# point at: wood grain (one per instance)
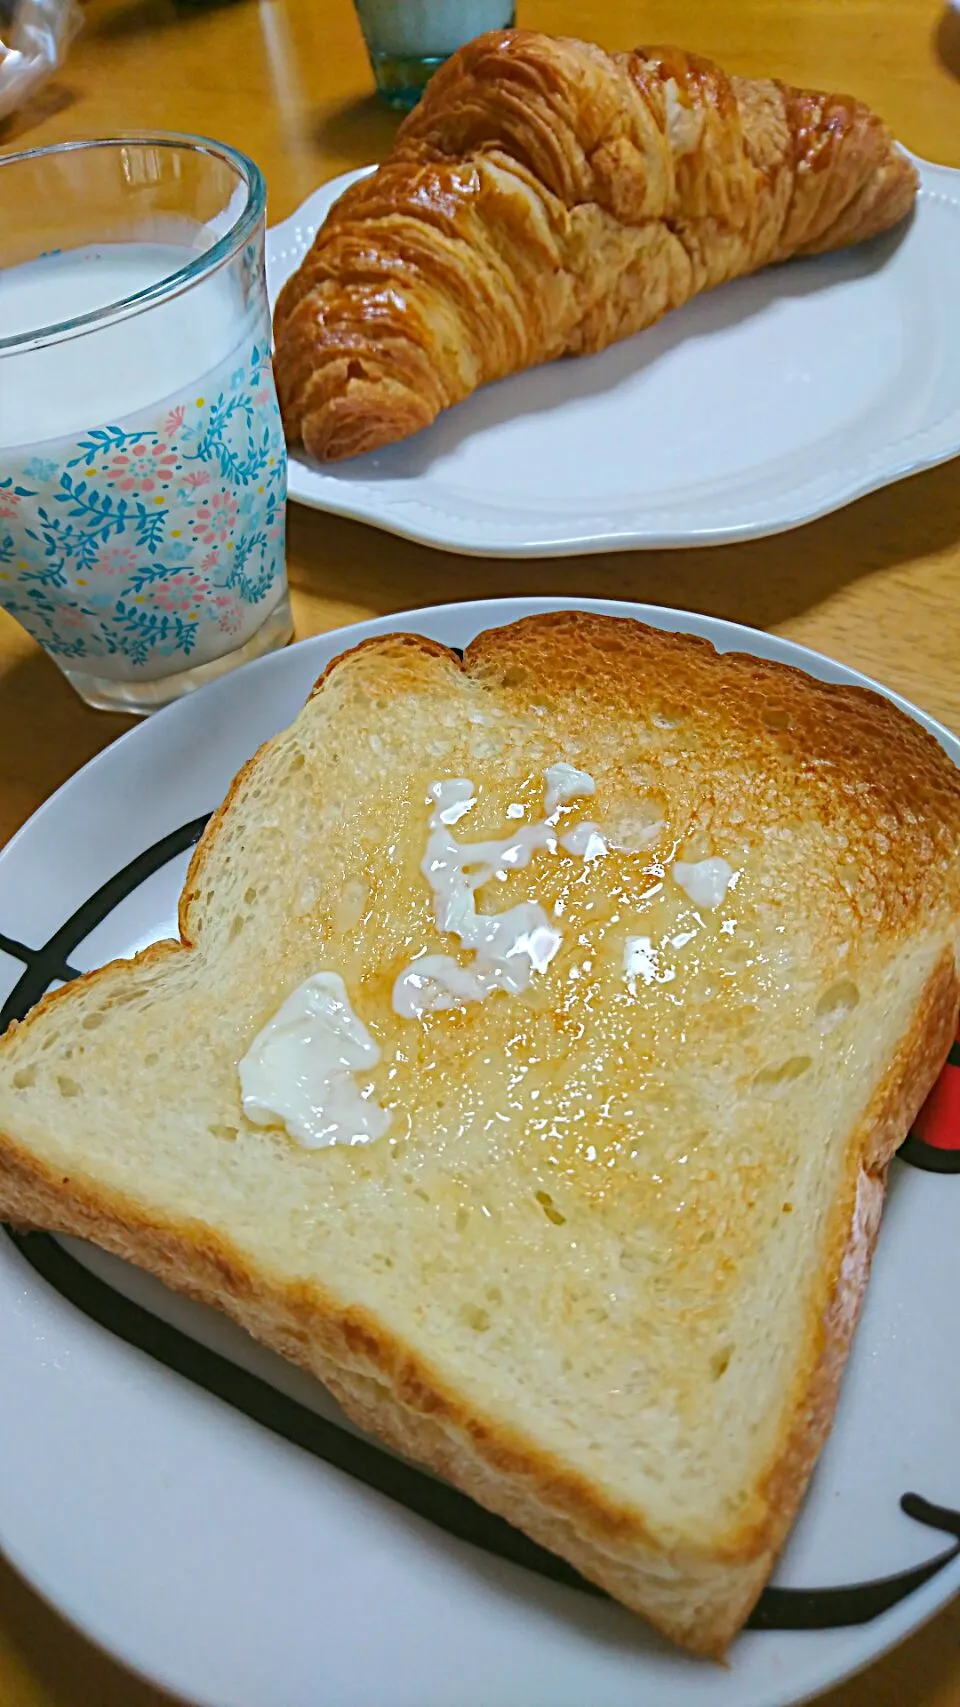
(877, 585)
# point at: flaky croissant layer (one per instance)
(547, 198)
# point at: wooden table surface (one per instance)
(877, 586)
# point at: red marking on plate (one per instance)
(938, 1122)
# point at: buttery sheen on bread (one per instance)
(546, 198)
(602, 1266)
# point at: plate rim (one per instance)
(924, 1603)
(933, 443)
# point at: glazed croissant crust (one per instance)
(547, 198)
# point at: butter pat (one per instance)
(565, 783)
(706, 881)
(301, 1069)
(509, 947)
(585, 841)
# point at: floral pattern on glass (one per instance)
(156, 543)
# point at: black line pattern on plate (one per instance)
(934, 1145)
(928, 1157)
(47, 964)
(836, 1608)
(19, 951)
(416, 1490)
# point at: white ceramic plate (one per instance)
(755, 408)
(242, 1570)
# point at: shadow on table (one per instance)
(924, 1670)
(763, 583)
(150, 17)
(946, 39)
(360, 130)
(66, 1665)
(48, 101)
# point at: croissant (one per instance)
(547, 198)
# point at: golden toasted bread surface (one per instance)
(604, 1266)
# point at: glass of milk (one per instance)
(142, 465)
(408, 39)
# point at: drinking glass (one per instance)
(407, 39)
(142, 463)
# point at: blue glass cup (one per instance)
(408, 39)
(142, 461)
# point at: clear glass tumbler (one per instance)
(408, 39)
(142, 461)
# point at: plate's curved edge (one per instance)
(936, 168)
(396, 520)
(411, 518)
(319, 198)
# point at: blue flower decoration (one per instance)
(38, 468)
(90, 566)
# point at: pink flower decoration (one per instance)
(215, 517)
(197, 477)
(8, 503)
(183, 591)
(145, 467)
(175, 419)
(208, 560)
(117, 560)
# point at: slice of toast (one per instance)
(602, 1267)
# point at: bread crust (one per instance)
(698, 1596)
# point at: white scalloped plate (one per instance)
(757, 407)
(199, 1541)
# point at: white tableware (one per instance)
(241, 1570)
(757, 407)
